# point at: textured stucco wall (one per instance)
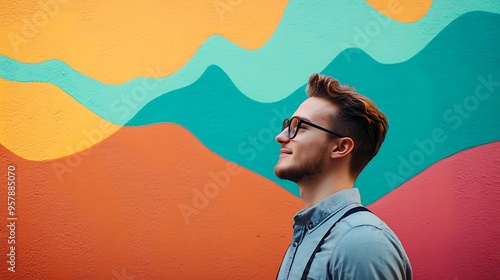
(139, 136)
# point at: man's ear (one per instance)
(342, 147)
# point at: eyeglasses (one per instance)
(294, 123)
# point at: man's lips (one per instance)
(285, 152)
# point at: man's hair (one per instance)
(357, 117)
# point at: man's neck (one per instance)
(314, 191)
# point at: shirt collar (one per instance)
(316, 215)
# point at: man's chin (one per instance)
(278, 170)
(281, 172)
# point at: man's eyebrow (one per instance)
(302, 118)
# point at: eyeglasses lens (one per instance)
(285, 124)
(294, 122)
(291, 125)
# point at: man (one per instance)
(324, 147)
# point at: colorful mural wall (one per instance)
(137, 138)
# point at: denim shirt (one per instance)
(360, 246)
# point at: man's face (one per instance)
(303, 157)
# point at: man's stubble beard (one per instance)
(303, 171)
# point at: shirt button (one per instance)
(310, 225)
(295, 244)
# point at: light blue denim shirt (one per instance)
(360, 246)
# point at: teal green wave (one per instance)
(306, 40)
(430, 100)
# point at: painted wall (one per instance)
(139, 136)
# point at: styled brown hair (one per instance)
(357, 117)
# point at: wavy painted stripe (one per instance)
(438, 103)
(279, 72)
(120, 103)
(299, 48)
(447, 217)
(117, 203)
(410, 10)
(115, 42)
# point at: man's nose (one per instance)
(282, 137)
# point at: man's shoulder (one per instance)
(367, 234)
(364, 219)
(363, 226)
(363, 246)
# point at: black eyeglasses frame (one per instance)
(287, 122)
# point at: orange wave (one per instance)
(150, 202)
(114, 41)
(402, 10)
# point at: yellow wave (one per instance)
(402, 10)
(114, 41)
(40, 121)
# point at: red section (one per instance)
(447, 217)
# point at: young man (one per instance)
(324, 147)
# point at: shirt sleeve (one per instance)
(368, 252)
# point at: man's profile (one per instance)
(325, 145)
